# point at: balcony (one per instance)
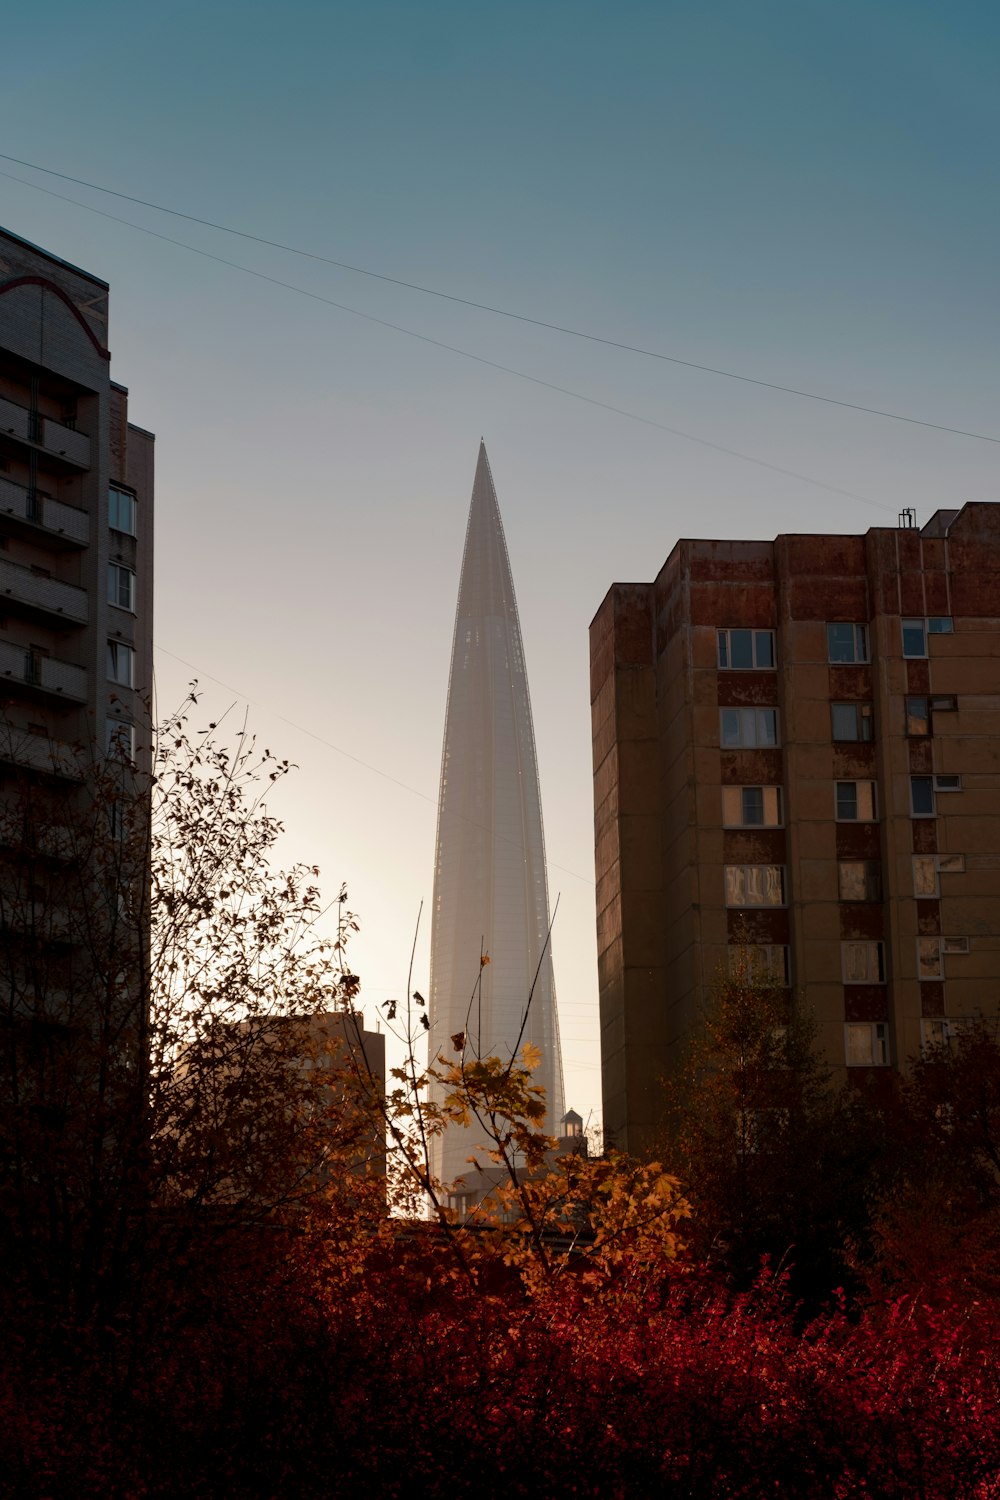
(39, 516)
(66, 442)
(45, 674)
(44, 432)
(57, 841)
(41, 597)
(39, 752)
(15, 420)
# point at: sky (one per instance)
(799, 192)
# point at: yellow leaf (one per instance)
(531, 1056)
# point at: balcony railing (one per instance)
(43, 672)
(52, 840)
(66, 441)
(56, 437)
(39, 752)
(66, 521)
(45, 595)
(15, 419)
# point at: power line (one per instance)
(339, 750)
(454, 349)
(501, 312)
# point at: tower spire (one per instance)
(490, 887)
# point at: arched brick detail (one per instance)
(50, 286)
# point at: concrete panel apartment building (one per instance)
(797, 753)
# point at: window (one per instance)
(121, 586)
(847, 642)
(116, 819)
(121, 663)
(918, 720)
(941, 1031)
(741, 649)
(914, 638)
(922, 796)
(851, 721)
(760, 963)
(954, 945)
(944, 703)
(748, 727)
(860, 880)
(121, 511)
(856, 802)
(929, 963)
(947, 783)
(915, 633)
(751, 806)
(866, 1044)
(755, 885)
(862, 962)
(928, 867)
(120, 739)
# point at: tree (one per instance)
(775, 1162)
(164, 1081)
(938, 1216)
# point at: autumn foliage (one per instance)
(204, 1294)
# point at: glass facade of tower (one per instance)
(490, 889)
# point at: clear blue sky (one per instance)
(801, 191)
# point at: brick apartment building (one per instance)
(76, 526)
(797, 753)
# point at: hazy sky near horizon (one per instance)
(798, 191)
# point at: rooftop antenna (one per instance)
(908, 519)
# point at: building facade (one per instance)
(76, 527)
(490, 887)
(797, 762)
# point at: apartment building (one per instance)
(797, 758)
(76, 526)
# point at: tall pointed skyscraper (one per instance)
(490, 888)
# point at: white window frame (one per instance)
(941, 1031)
(913, 625)
(947, 782)
(911, 718)
(955, 944)
(872, 960)
(858, 817)
(920, 780)
(940, 864)
(866, 1052)
(116, 573)
(927, 626)
(930, 959)
(752, 718)
(119, 736)
(125, 653)
(858, 646)
(863, 719)
(724, 648)
(757, 884)
(115, 496)
(761, 963)
(738, 804)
